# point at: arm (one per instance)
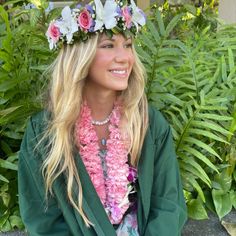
(168, 210)
(40, 217)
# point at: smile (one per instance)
(119, 72)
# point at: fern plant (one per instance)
(193, 83)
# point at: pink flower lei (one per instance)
(113, 189)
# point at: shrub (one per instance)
(193, 82)
(24, 55)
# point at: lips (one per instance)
(119, 72)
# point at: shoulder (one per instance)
(36, 126)
(39, 121)
(158, 125)
(40, 117)
(35, 130)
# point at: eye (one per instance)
(128, 45)
(108, 45)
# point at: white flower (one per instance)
(126, 197)
(105, 15)
(52, 44)
(138, 17)
(67, 24)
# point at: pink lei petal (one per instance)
(113, 189)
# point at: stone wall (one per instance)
(227, 11)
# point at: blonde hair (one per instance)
(69, 72)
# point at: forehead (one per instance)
(115, 37)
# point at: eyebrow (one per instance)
(112, 39)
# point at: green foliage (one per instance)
(24, 55)
(193, 82)
(196, 15)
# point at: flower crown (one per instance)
(78, 24)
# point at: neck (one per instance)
(101, 104)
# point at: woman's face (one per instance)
(112, 65)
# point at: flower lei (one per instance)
(78, 24)
(114, 189)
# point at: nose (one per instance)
(122, 54)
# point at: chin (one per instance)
(121, 88)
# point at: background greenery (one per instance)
(24, 54)
(190, 62)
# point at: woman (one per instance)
(98, 160)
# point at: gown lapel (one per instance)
(145, 180)
(91, 202)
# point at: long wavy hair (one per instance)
(69, 72)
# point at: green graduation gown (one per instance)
(161, 205)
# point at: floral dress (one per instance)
(129, 225)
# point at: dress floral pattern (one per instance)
(129, 226)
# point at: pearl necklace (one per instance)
(103, 122)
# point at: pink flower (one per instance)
(132, 174)
(115, 118)
(85, 20)
(53, 32)
(116, 214)
(128, 18)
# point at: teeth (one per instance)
(119, 71)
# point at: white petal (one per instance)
(51, 44)
(110, 14)
(74, 26)
(62, 26)
(110, 7)
(99, 15)
(66, 13)
(99, 9)
(110, 23)
(133, 5)
(69, 37)
(98, 25)
(139, 18)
